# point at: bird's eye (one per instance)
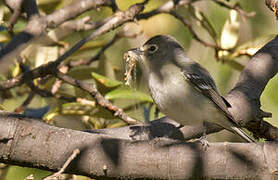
(152, 48)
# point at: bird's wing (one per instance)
(203, 82)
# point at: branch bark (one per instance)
(245, 96)
(30, 142)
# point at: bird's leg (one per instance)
(204, 130)
(203, 139)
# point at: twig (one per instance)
(72, 64)
(92, 90)
(191, 30)
(26, 102)
(96, 57)
(165, 8)
(62, 170)
(15, 15)
(118, 19)
(41, 92)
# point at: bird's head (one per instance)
(157, 51)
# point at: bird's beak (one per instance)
(134, 53)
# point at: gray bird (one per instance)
(180, 87)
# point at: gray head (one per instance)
(157, 51)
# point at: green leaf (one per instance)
(203, 21)
(127, 93)
(105, 81)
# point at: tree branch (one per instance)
(58, 174)
(245, 96)
(101, 155)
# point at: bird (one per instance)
(180, 87)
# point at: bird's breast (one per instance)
(178, 100)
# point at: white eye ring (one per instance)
(152, 48)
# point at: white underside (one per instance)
(181, 102)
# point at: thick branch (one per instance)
(22, 139)
(73, 10)
(245, 96)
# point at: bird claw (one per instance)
(204, 142)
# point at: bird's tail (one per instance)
(242, 134)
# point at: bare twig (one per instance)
(193, 33)
(72, 64)
(92, 90)
(96, 57)
(41, 92)
(26, 102)
(45, 93)
(62, 170)
(16, 13)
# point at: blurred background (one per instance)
(242, 33)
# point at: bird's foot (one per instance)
(204, 142)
